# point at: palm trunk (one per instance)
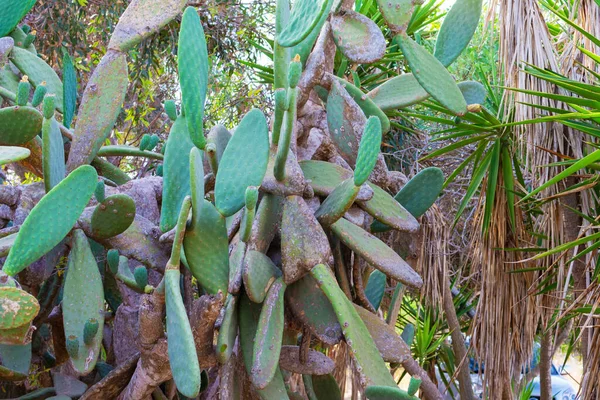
(545, 365)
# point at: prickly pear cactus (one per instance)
(243, 256)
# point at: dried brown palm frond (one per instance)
(590, 388)
(506, 319)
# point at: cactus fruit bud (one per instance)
(72, 345)
(413, 386)
(295, 71)
(38, 94)
(49, 107)
(26, 28)
(145, 142)
(171, 110)
(89, 331)
(113, 260)
(141, 277)
(153, 142)
(99, 193)
(29, 39)
(23, 91)
(211, 152)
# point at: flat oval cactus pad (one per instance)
(18, 125)
(17, 307)
(113, 216)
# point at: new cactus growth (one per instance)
(273, 231)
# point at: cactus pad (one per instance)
(397, 13)
(181, 347)
(141, 19)
(228, 331)
(338, 202)
(219, 136)
(129, 151)
(323, 387)
(376, 253)
(12, 12)
(18, 125)
(38, 71)
(323, 176)
(308, 304)
(473, 92)
(176, 173)
(304, 17)
(365, 103)
(345, 121)
(113, 216)
(457, 30)
(206, 248)
(16, 360)
(387, 393)
(17, 308)
(304, 244)
(69, 90)
(192, 62)
(243, 164)
(398, 92)
(53, 153)
(100, 106)
(368, 151)
(269, 334)
(13, 154)
(83, 300)
(249, 314)
(51, 219)
(432, 75)
(370, 365)
(391, 347)
(375, 288)
(384, 208)
(358, 37)
(258, 275)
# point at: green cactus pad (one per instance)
(324, 387)
(266, 222)
(220, 136)
(308, 304)
(385, 209)
(344, 120)
(206, 248)
(176, 173)
(128, 151)
(53, 154)
(338, 202)
(304, 17)
(387, 393)
(13, 154)
(432, 75)
(21, 38)
(408, 334)
(17, 307)
(100, 106)
(365, 103)
(418, 195)
(391, 347)
(243, 164)
(196, 171)
(368, 151)
(51, 219)
(414, 385)
(180, 340)
(113, 216)
(376, 253)
(258, 275)
(228, 331)
(38, 71)
(316, 363)
(13, 11)
(375, 288)
(473, 92)
(281, 55)
(357, 37)
(69, 90)
(323, 176)
(304, 48)
(304, 244)
(249, 314)
(110, 171)
(192, 62)
(269, 335)
(8, 79)
(457, 30)
(16, 360)
(141, 19)
(236, 265)
(370, 365)
(18, 125)
(83, 300)
(140, 275)
(397, 13)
